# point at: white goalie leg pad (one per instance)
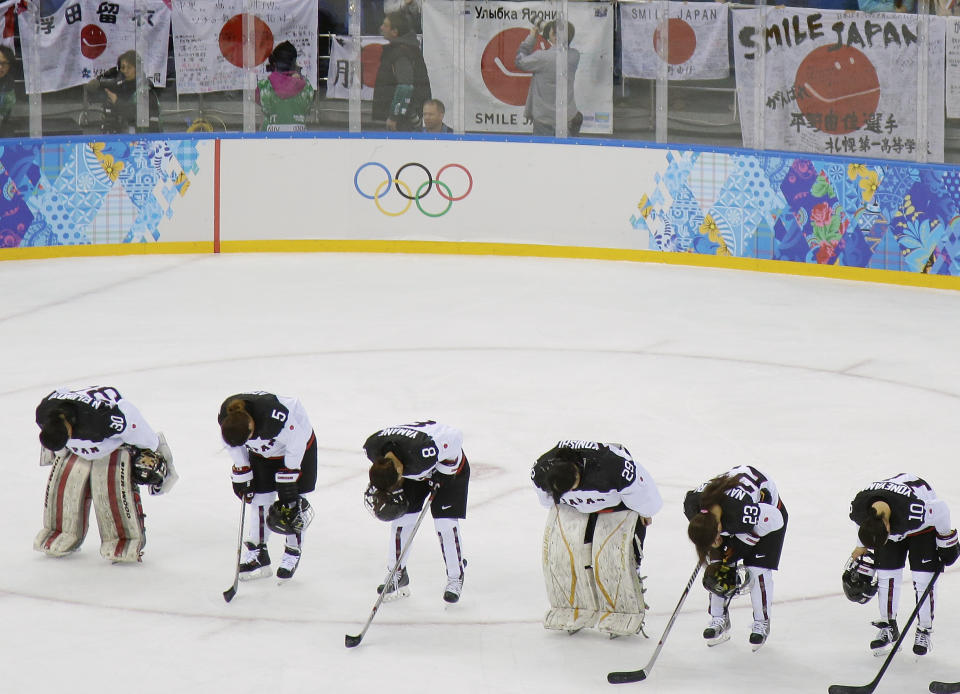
(66, 507)
(567, 572)
(116, 502)
(619, 589)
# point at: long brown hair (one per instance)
(235, 427)
(704, 526)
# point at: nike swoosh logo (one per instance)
(444, 508)
(760, 556)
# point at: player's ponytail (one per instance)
(235, 427)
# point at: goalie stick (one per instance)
(351, 641)
(944, 687)
(232, 590)
(869, 687)
(639, 675)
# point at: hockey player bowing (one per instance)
(601, 503)
(407, 461)
(100, 447)
(900, 516)
(737, 516)
(274, 453)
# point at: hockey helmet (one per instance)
(726, 580)
(859, 579)
(289, 518)
(385, 506)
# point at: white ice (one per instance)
(824, 385)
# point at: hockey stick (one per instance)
(868, 688)
(232, 590)
(639, 675)
(352, 641)
(944, 687)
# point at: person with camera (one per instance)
(285, 95)
(542, 63)
(402, 84)
(409, 463)
(121, 91)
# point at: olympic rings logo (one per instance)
(405, 190)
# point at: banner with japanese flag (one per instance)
(696, 40)
(338, 71)
(8, 22)
(66, 43)
(209, 40)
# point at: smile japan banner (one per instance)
(697, 47)
(953, 67)
(495, 90)
(338, 71)
(840, 82)
(77, 40)
(208, 40)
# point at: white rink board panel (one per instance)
(567, 195)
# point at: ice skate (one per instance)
(398, 588)
(887, 636)
(758, 636)
(288, 565)
(255, 562)
(923, 641)
(718, 630)
(454, 588)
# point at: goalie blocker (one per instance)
(590, 570)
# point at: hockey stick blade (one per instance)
(852, 689)
(229, 593)
(352, 641)
(626, 677)
(945, 687)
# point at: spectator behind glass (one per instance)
(7, 95)
(120, 92)
(887, 5)
(541, 98)
(284, 95)
(433, 112)
(402, 83)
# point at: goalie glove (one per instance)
(242, 478)
(948, 548)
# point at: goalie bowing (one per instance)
(101, 448)
(601, 502)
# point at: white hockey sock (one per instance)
(888, 593)
(921, 579)
(400, 531)
(294, 541)
(257, 530)
(448, 530)
(761, 592)
(716, 605)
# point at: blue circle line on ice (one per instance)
(406, 191)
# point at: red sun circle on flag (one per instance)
(93, 41)
(839, 87)
(682, 41)
(370, 63)
(498, 67)
(231, 40)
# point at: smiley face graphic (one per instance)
(839, 86)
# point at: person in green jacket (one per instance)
(285, 95)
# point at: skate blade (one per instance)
(265, 572)
(397, 595)
(716, 641)
(756, 646)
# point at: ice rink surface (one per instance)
(824, 385)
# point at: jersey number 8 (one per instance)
(428, 452)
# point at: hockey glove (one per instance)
(948, 547)
(243, 483)
(435, 482)
(287, 488)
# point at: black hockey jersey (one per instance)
(609, 477)
(102, 421)
(422, 448)
(914, 506)
(748, 510)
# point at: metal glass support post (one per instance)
(33, 85)
(249, 69)
(661, 93)
(459, 50)
(923, 81)
(760, 79)
(560, 103)
(143, 82)
(354, 74)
